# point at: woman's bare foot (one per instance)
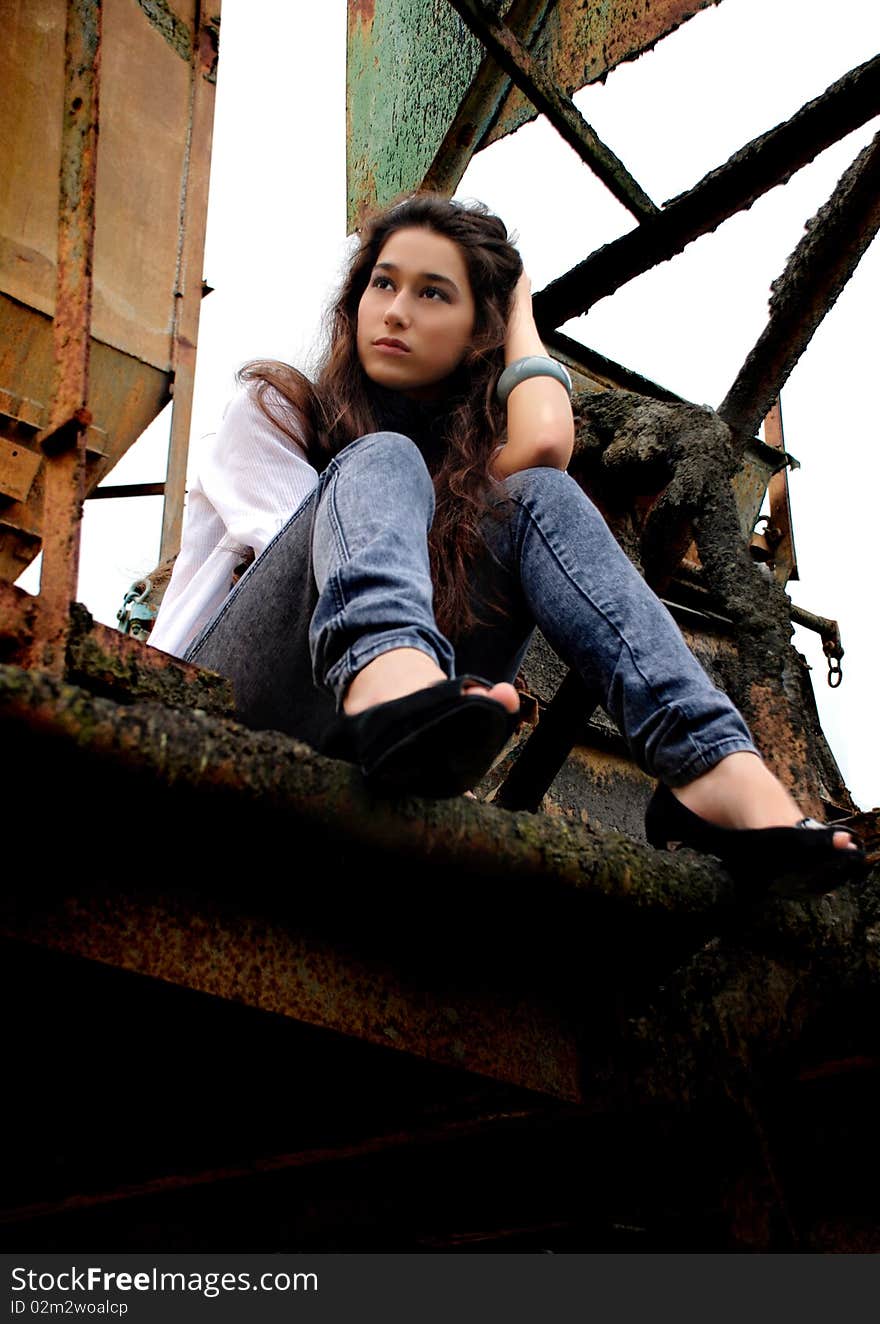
(402, 671)
(742, 792)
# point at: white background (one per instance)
(276, 241)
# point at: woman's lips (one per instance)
(391, 346)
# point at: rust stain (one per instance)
(362, 12)
(785, 749)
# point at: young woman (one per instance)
(411, 520)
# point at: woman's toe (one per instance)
(502, 693)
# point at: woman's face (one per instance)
(416, 317)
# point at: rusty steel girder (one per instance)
(65, 438)
(422, 95)
(762, 164)
(528, 75)
(834, 242)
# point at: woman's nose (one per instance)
(397, 311)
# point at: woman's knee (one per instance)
(391, 456)
(551, 489)
(393, 447)
(543, 479)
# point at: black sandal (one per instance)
(757, 857)
(438, 742)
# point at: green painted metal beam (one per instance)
(423, 96)
(410, 63)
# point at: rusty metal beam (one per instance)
(126, 490)
(765, 162)
(580, 43)
(64, 438)
(235, 950)
(814, 276)
(423, 95)
(110, 662)
(188, 294)
(210, 758)
(481, 103)
(560, 110)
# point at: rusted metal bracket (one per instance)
(65, 436)
(763, 163)
(560, 110)
(832, 645)
(816, 272)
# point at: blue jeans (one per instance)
(348, 578)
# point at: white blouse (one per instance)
(251, 479)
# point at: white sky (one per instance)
(276, 239)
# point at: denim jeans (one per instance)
(348, 578)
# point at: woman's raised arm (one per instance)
(540, 426)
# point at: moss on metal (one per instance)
(192, 752)
(110, 664)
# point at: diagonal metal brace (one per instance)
(560, 110)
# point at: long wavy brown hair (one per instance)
(457, 435)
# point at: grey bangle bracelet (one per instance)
(534, 365)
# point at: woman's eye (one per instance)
(381, 283)
(432, 292)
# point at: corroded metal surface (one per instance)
(174, 29)
(835, 240)
(213, 758)
(767, 161)
(150, 213)
(76, 210)
(125, 395)
(411, 114)
(69, 417)
(410, 63)
(111, 663)
(580, 43)
(479, 106)
(368, 963)
(141, 164)
(232, 952)
(528, 74)
(188, 291)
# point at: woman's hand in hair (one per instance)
(540, 426)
